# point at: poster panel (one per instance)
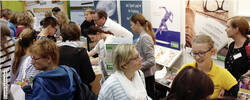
(110, 6)
(129, 8)
(208, 17)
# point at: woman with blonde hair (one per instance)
(22, 67)
(202, 51)
(24, 20)
(127, 83)
(145, 46)
(7, 52)
(62, 20)
(237, 59)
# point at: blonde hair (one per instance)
(65, 19)
(24, 41)
(25, 19)
(45, 48)
(48, 13)
(145, 23)
(203, 38)
(121, 55)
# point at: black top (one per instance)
(236, 61)
(79, 60)
(85, 25)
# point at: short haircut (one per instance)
(101, 13)
(71, 32)
(13, 18)
(191, 84)
(90, 11)
(56, 9)
(45, 48)
(121, 55)
(6, 13)
(25, 19)
(49, 21)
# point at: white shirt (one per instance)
(116, 29)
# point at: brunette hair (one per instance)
(145, 23)
(94, 29)
(13, 18)
(5, 32)
(101, 13)
(45, 48)
(191, 84)
(56, 9)
(25, 19)
(71, 32)
(49, 21)
(6, 13)
(241, 23)
(24, 41)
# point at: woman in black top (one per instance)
(73, 54)
(86, 25)
(237, 61)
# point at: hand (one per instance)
(221, 93)
(24, 83)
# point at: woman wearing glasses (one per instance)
(56, 81)
(127, 83)
(237, 59)
(202, 51)
(145, 46)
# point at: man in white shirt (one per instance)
(101, 19)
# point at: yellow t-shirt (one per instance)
(221, 78)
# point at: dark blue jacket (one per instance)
(56, 84)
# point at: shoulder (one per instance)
(185, 65)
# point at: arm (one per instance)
(233, 91)
(87, 74)
(37, 92)
(230, 84)
(148, 51)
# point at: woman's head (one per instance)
(51, 24)
(88, 14)
(6, 14)
(45, 54)
(71, 32)
(245, 80)
(25, 19)
(203, 49)
(62, 18)
(94, 33)
(48, 13)
(191, 84)
(139, 22)
(237, 25)
(13, 18)
(25, 40)
(126, 58)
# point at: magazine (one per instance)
(244, 91)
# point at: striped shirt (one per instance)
(5, 67)
(112, 90)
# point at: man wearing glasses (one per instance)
(101, 19)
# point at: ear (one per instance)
(213, 51)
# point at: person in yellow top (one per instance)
(202, 50)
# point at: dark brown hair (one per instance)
(241, 23)
(191, 84)
(71, 32)
(56, 9)
(101, 13)
(145, 23)
(49, 21)
(94, 29)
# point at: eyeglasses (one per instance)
(135, 58)
(200, 54)
(209, 6)
(35, 59)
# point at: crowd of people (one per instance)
(48, 63)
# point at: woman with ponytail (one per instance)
(22, 67)
(238, 55)
(145, 46)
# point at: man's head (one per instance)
(100, 17)
(55, 10)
